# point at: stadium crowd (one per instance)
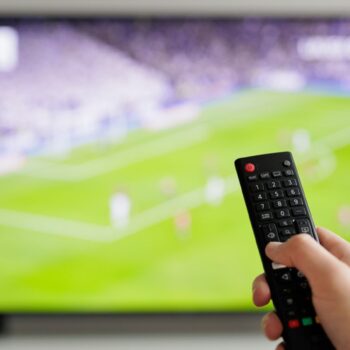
(78, 82)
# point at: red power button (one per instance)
(249, 167)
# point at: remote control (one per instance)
(278, 210)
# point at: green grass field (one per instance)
(59, 253)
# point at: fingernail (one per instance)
(272, 247)
(264, 321)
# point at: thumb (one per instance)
(318, 265)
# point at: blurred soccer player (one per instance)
(215, 190)
(183, 224)
(120, 209)
(344, 216)
(168, 186)
(301, 141)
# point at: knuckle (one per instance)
(299, 241)
(298, 244)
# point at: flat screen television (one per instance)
(117, 141)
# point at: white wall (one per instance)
(180, 7)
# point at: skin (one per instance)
(327, 268)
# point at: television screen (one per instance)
(117, 142)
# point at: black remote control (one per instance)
(278, 210)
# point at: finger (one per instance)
(281, 346)
(308, 256)
(272, 326)
(334, 244)
(261, 291)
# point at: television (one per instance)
(117, 142)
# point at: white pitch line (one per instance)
(337, 140)
(164, 145)
(100, 233)
(323, 150)
(55, 226)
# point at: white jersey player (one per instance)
(301, 141)
(215, 190)
(120, 208)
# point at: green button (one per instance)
(306, 321)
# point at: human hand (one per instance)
(327, 268)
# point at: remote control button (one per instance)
(257, 187)
(281, 203)
(249, 168)
(304, 285)
(296, 202)
(288, 231)
(293, 323)
(264, 175)
(260, 197)
(290, 183)
(283, 276)
(287, 163)
(289, 302)
(284, 223)
(289, 172)
(271, 237)
(262, 206)
(270, 233)
(282, 213)
(300, 274)
(277, 173)
(252, 178)
(273, 184)
(306, 321)
(292, 192)
(276, 194)
(291, 313)
(266, 216)
(300, 211)
(286, 291)
(303, 226)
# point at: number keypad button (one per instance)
(260, 197)
(262, 206)
(282, 213)
(296, 202)
(258, 187)
(273, 184)
(276, 194)
(290, 183)
(291, 192)
(280, 203)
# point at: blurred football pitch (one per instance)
(59, 253)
